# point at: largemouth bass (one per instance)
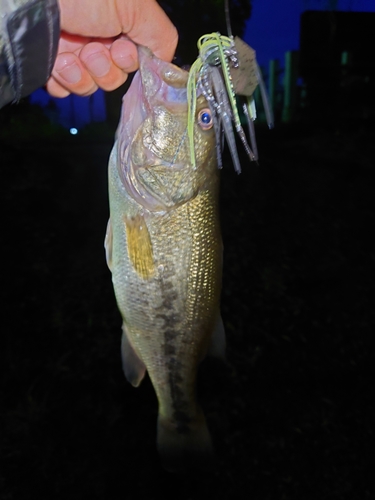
(164, 250)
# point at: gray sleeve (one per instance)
(29, 35)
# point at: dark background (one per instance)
(291, 411)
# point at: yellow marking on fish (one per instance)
(139, 246)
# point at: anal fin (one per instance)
(132, 365)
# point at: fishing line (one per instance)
(227, 19)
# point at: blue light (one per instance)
(73, 131)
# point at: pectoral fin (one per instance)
(133, 367)
(139, 245)
(217, 346)
(108, 245)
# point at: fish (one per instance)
(164, 249)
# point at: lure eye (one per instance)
(205, 119)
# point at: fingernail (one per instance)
(98, 64)
(125, 61)
(68, 69)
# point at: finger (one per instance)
(71, 43)
(72, 75)
(74, 43)
(55, 89)
(98, 61)
(146, 23)
(124, 54)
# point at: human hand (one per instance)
(98, 40)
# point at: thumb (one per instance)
(146, 23)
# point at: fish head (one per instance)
(154, 160)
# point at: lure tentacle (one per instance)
(211, 75)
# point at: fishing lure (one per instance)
(225, 71)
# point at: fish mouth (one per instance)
(171, 74)
(162, 82)
(152, 163)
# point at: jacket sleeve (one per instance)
(29, 35)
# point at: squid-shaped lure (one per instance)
(225, 71)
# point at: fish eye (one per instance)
(205, 119)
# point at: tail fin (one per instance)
(184, 446)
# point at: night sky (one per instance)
(273, 27)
